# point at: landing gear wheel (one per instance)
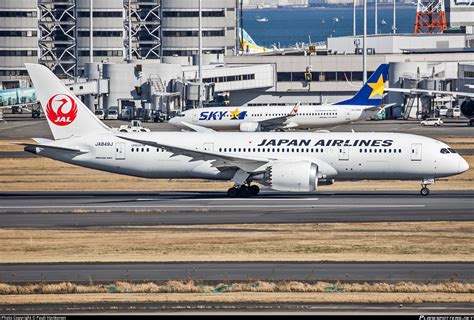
(244, 191)
(232, 192)
(424, 191)
(254, 190)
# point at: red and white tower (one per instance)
(430, 16)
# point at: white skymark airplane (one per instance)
(284, 161)
(365, 103)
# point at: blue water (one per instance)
(288, 26)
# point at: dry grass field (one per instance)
(249, 292)
(382, 241)
(242, 297)
(41, 174)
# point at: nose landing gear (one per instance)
(243, 191)
(424, 189)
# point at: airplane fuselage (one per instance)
(340, 156)
(307, 116)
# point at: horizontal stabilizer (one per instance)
(31, 147)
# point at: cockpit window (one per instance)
(444, 151)
(452, 150)
(181, 114)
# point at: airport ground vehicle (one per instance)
(133, 126)
(454, 112)
(159, 116)
(283, 161)
(112, 115)
(443, 111)
(432, 122)
(100, 114)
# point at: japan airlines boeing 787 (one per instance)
(366, 103)
(285, 161)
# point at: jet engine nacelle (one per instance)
(467, 109)
(250, 127)
(299, 176)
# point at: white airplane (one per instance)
(284, 161)
(467, 107)
(364, 104)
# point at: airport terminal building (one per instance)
(145, 57)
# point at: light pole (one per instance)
(376, 18)
(394, 25)
(354, 18)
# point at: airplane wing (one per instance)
(196, 127)
(277, 122)
(431, 92)
(380, 108)
(219, 160)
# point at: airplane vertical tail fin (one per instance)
(371, 93)
(67, 116)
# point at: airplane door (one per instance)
(208, 146)
(343, 153)
(120, 151)
(416, 152)
(348, 115)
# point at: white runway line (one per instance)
(236, 199)
(220, 206)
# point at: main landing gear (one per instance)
(243, 191)
(424, 189)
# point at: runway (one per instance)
(99, 209)
(237, 271)
(24, 127)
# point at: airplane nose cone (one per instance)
(173, 121)
(463, 165)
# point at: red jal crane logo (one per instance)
(61, 109)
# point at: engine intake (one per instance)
(467, 109)
(299, 176)
(250, 127)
